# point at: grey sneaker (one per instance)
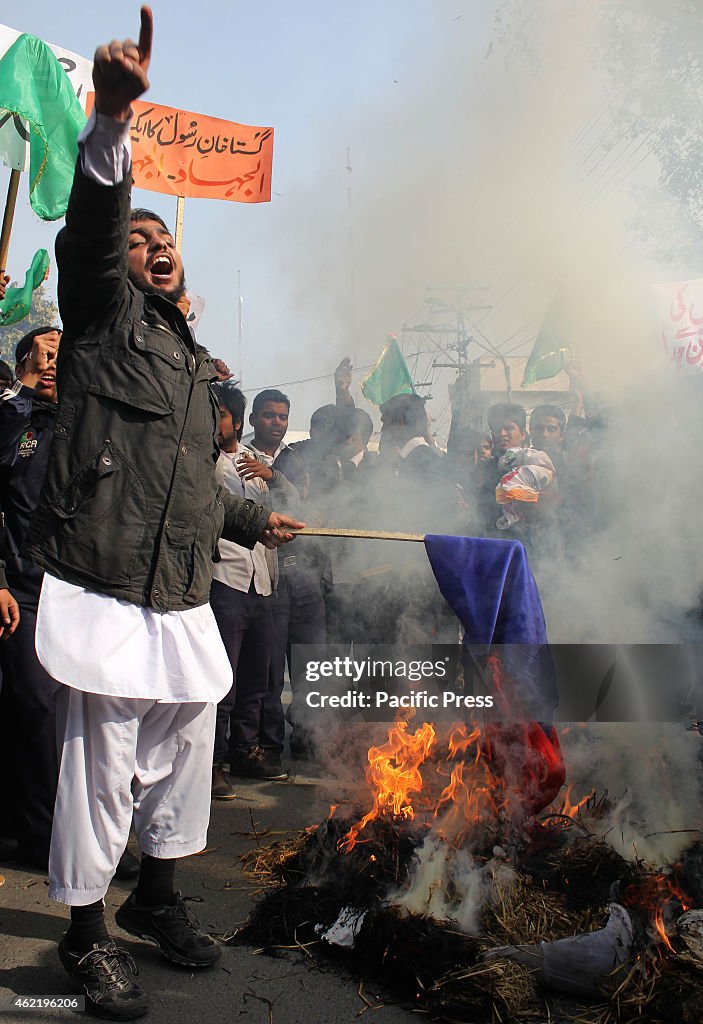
(103, 974)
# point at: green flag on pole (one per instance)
(550, 347)
(389, 376)
(35, 88)
(18, 301)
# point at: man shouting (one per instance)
(126, 532)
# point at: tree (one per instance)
(649, 52)
(43, 312)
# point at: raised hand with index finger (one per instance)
(120, 71)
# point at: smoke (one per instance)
(448, 885)
(523, 185)
(647, 771)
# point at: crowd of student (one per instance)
(150, 599)
(520, 479)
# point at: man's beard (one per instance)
(173, 294)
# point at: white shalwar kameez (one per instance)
(141, 689)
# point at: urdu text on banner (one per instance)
(679, 308)
(195, 156)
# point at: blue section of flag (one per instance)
(490, 587)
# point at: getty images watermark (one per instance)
(531, 682)
(358, 671)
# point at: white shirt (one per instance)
(237, 564)
(411, 445)
(268, 460)
(101, 644)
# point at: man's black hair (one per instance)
(139, 213)
(323, 418)
(549, 410)
(269, 395)
(234, 402)
(6, 374)
(462, 440)
(507, 412)
(24, 345)
(351, 421)
(407, 411)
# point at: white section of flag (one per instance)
(14, 151)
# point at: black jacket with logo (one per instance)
(26, 429)
(130, 506)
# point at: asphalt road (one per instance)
(245, 987)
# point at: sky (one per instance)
(410, 152)
(327, 76)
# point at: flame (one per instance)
(465, 802)
(655, 894)
(661, 930)
(459, 741)
(394, 774)
(570, 810)
(496, 772)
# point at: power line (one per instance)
(304, 380)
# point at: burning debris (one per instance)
(464, 903)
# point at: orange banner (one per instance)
(191, 155)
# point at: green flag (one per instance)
(550, 347)
(389, 377)
(18, 301)
(35, 87)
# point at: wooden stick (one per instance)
(180, 213)
(7, 219)
(324, 531)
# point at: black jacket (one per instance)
(130, 505)
(26, 429)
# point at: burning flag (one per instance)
(490, 587)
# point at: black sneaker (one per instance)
(104, 975)
(128, 867)
(172, 928)
(252, 764)
(274, 766)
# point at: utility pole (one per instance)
(240, 302)
(352, 278)
(465, 391)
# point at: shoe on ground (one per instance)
(128, 867)
(253, 764)
(104, 975)
(172, 928)
(301, 751)
(272, 760)
(221, 789)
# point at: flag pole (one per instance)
(239, 336)
(326, 531)
(10, 203)
(180, 210)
